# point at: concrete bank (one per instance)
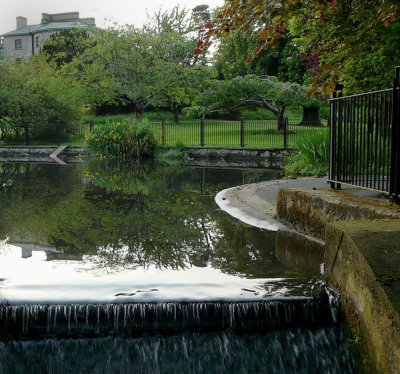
(42, 154)
(361, 231)
(362, 260)
(255, 204)
(311, 210)
(243, 157)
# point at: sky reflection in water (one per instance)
(103, 232)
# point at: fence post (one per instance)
(285, 135)
(26, 134)
(202, 129)
(242, 132)
(333, 116)
(163, 132)
(394, 190)
(332, 139)
(58, 132)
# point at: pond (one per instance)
(119, 268)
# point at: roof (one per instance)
(45, 27)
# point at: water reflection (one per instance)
(132, 217)
(103, 218)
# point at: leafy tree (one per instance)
(151, 65)
(116, 69)
(62, 47)
(339, 32)
(179, 76)
(283, 61)
(252, 91)
(33, 93)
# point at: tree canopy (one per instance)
(33, 93)
(253, 91)
(151, 65)
(351, 39)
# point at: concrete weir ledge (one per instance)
(60, 155)
(361, 232)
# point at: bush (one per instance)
(311, 157)
(122, 140)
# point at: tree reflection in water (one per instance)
(129, 216)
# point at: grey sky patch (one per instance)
(106, 12)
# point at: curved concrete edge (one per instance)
(244, 204)
(255, 204)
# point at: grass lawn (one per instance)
(257, 134)
(260, 129)
(217, 133)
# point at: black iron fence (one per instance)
(365, 140)
(48, 134)
(242, 134)
(195, 133)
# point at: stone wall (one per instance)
(361, 259)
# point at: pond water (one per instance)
(138, 261)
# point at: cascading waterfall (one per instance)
(41, 321)
(162, 282)
(323, 350)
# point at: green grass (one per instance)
(217, 133)
(257, 134)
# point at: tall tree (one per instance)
(284, 61)
(153, 64)
(33, 93)
(252, 91)
(62, 47)
(337, 31)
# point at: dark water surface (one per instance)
(100, 249)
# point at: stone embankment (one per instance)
(359, 231)
(362, 260)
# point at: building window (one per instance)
(18, 43)
(37, 41)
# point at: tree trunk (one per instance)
(311, 116)
(175, 112)
(280, 120)
(138, 114)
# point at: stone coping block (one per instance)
(311, 210)
(362, 259)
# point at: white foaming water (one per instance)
(35, 280)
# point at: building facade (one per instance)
(27, 40)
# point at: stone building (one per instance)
(27, 40)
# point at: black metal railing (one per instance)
(365, 139)
(195, 133)
(238, 134)
(48, 134)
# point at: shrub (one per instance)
(122, 140)
(311, 157)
